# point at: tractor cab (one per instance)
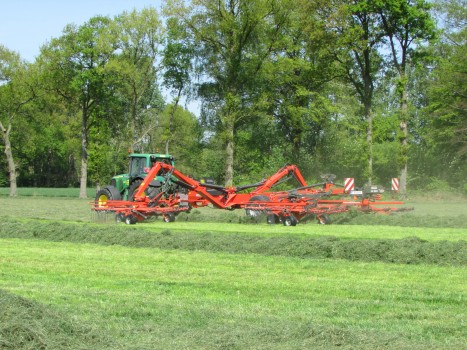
(140, 164)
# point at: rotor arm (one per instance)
(283, 172)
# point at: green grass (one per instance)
(47, 192)
(150, 298)
(426, 214)
(26, 324)
(215, 280)
(410, 250)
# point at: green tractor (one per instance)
(124, 186)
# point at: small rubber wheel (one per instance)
(119, 218)
(256, 213)
(169, 217)
(272, 219)
(324, 219)
(130, 220)
(290, 221)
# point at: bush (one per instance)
(438, 185)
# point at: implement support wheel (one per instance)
(290, 220)
(169, 217)
(324, 219)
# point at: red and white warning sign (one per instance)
(395, 184)
(349, 184)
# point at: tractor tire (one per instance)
(150, 192)
(290, 221)
(108, 193)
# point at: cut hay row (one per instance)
(410, 250)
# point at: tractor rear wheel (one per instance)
(150, 192)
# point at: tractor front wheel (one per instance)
(108, 193)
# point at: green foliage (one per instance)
(278, 82)
(436, 184)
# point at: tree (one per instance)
(15, 93)
(177, 65)
(446, 130)
(407, 24)
(138, 36)
(184, 137)
(295, 75)
(358, 36)
(76, 72)
(232, 39)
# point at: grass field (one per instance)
(211, 280)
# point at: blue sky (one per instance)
(26, 25)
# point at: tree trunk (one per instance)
(403, 140)
(369, 140)
(171, 121)
(9, 157)
(84, 157)
(229, 154)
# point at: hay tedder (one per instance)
(177, 193)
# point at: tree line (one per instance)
(368, 89)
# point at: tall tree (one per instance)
(177, 66)
(232, 39)
(447, 93)
(76, 72)
(16, 90)
(358, 38)
(138, 37)
(298, 69)
(407, 24)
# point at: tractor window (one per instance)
(137, 166)
(161, 160)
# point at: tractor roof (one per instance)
(158, 155)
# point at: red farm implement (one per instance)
(288, 207)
